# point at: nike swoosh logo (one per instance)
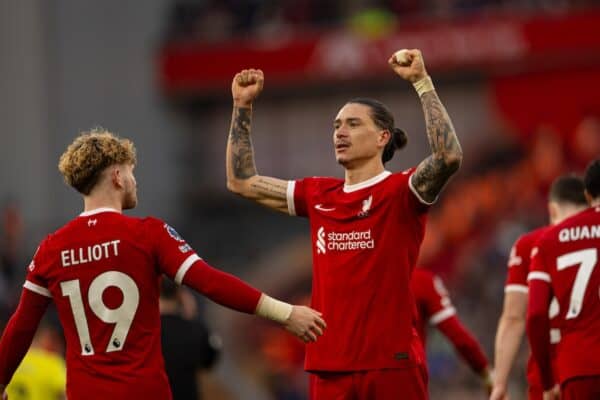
(321, 208)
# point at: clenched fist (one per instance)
(246, 86)
(412, 71)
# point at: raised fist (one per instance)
(246, 86)
(413, 67)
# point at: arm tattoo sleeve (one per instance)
(433, 172)
(242, 153)
(268, 188)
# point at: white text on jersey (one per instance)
(87, 254)
(343, 241)
(579, 233)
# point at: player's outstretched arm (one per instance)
(468, 347)
(511, 328)
(433, 172)
(242, 177)
(230, 291)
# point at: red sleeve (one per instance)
(464, 342)
(177, 259)
(19, 332)
(222, 288)
(414, 198)
(298, 197)
(538, 328)
(436, 300)
(173, 254)
(37, 271)
(518, 267)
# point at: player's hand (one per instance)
(246, 86)
(552, 394)
(499, 392)
(412, 72)
(305, 323)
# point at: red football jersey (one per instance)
(519, 264)
(102, 271)
(366, 240)
(433, 303)
(566, 257)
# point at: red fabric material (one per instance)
(538, 329)
(19, 332)
(366, 240)
(567, 256)
(584, 388)
(464, 342)
(222, 288)
(405, 384)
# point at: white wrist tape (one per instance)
(423, 85)
(273, 309)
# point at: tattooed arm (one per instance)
(434, 171)
(242, 177)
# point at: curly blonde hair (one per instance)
(91, 153)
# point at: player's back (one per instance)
(102, 272)
(570, 253)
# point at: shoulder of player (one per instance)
(528, 239)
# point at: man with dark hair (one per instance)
(367, 230)
(565, 265)
(102, 271)
(566, 198)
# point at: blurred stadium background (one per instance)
(520, 79)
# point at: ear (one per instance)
(116, 176)
(553, 211)
(384, 137)
(588, 196)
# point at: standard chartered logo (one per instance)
(321, 241)
(343, 241)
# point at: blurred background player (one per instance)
(188, 346)
(366, 230)
(565, 199)
(102, 271)
(435, 307)
(42, 374)
(564, 265)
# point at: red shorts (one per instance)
(386, 384)
(581, 388)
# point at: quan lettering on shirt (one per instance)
(579, 233)
(95, 252)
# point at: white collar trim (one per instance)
(98, 211)
(365, 184)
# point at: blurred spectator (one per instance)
(586, 141)
(187, 344)
(220, 19)
(42, 374)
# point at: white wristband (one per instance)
(423, 85)
(273, 309)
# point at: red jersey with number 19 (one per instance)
(366, 240)
(566, 256)
(102, 271)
